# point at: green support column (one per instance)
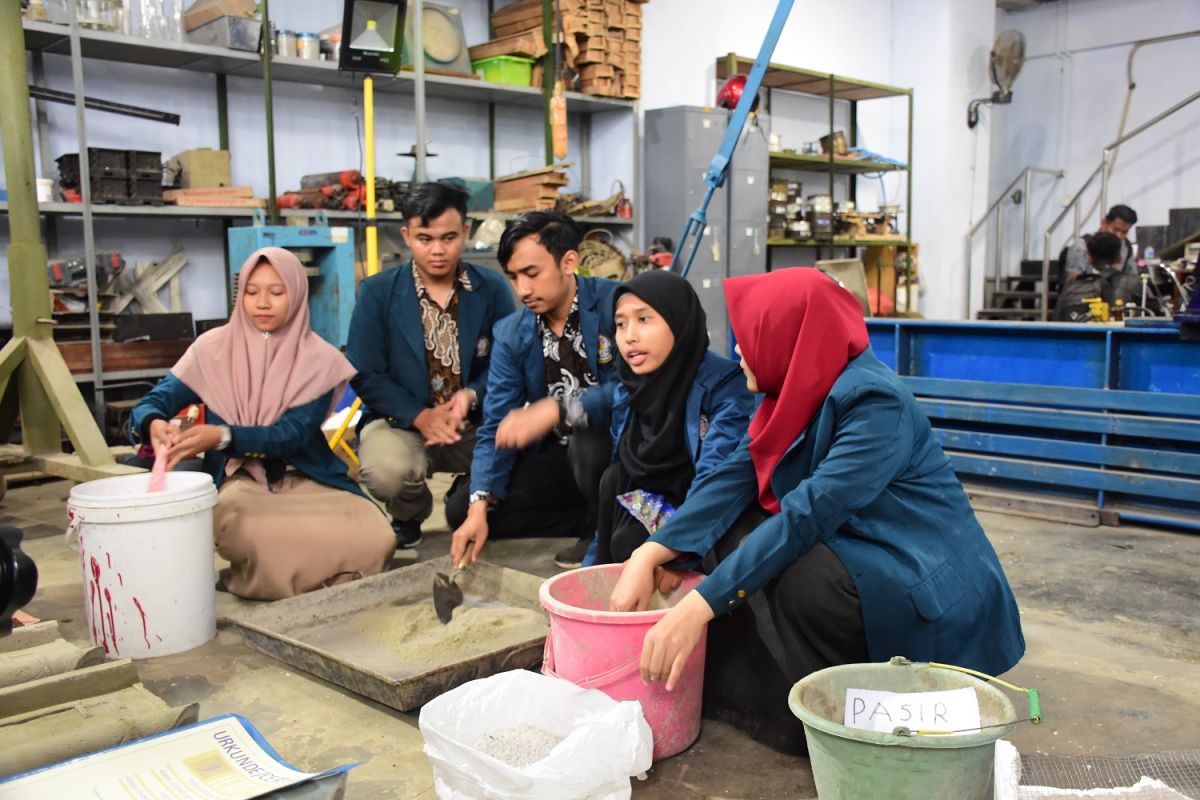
(268, 97)
(29, 287)
(548, 73)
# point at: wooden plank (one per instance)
(69, 466)
(187, 196)
(560, 166)
(1033, 505)
(124, 355)
(523, 205)
(11, 357)
(73, 413)
(548, 179)
(529, 44)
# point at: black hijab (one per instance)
(654, 449)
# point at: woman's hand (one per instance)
(634, 587)
(189, 443)
(671, 641)
(163, 434)
(667, 580)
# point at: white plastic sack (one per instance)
(605, 741)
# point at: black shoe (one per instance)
(572, 557)
(408, 534)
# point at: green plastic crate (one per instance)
(511, 70)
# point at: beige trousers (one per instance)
(298, 538)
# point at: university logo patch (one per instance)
(604, 349)
(482, 346)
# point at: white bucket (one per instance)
(148, 578)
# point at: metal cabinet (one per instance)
(680, 143)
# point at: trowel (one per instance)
(447, 594)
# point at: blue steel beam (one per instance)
(1179, 431)
(1064, 450)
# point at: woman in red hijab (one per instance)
(836, 533)
(288, 517)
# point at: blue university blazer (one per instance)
(517, 376)
(296, 437)
(718, 412)
(387, 342)
(867, 478)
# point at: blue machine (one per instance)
(331, 268)
(1102, 414)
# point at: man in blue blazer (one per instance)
(543, 443)
(420, 339)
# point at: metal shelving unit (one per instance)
(834, 88)
(82, 43)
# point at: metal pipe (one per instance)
(269, 100)
(549, 75)
(89, 235)
(415, 8)
(998, 258)
(908, 260)
(1182, 103)
(1105, 174)
(55, 96)
(1075, 199)
(222, 113)
(372, 232)
(1025, 221)
(1045, 284)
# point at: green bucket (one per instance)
(853, 764)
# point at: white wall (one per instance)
(936, 47)
(1067, 106)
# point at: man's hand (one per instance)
(192, 442)
(437, 425)
(471, 535)
(524, 426)
(459, 406)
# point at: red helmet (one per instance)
(731, 93)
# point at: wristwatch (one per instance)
(226, 437)
(476, 496)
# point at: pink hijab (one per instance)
(251, 378)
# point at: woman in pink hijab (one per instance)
(288, 518)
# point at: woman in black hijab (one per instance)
(679, 411)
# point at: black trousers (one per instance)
(618, 533)
(806, 619)
(552, 490)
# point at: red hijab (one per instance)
(797, 329)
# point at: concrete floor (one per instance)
(1111, 618)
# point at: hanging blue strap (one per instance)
(693, 229)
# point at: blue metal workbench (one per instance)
(1104, 414)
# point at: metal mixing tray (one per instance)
(373, 636)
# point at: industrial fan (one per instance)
(1008, 54)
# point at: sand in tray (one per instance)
(408, 639)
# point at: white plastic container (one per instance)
(45, 190)
(148, 578)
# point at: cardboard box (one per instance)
(201, 168)
(204, 11)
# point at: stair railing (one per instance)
(996, 212)
(1103, 171)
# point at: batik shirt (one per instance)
(440, 326)
(567, 372)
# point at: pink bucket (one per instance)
(599, 649)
